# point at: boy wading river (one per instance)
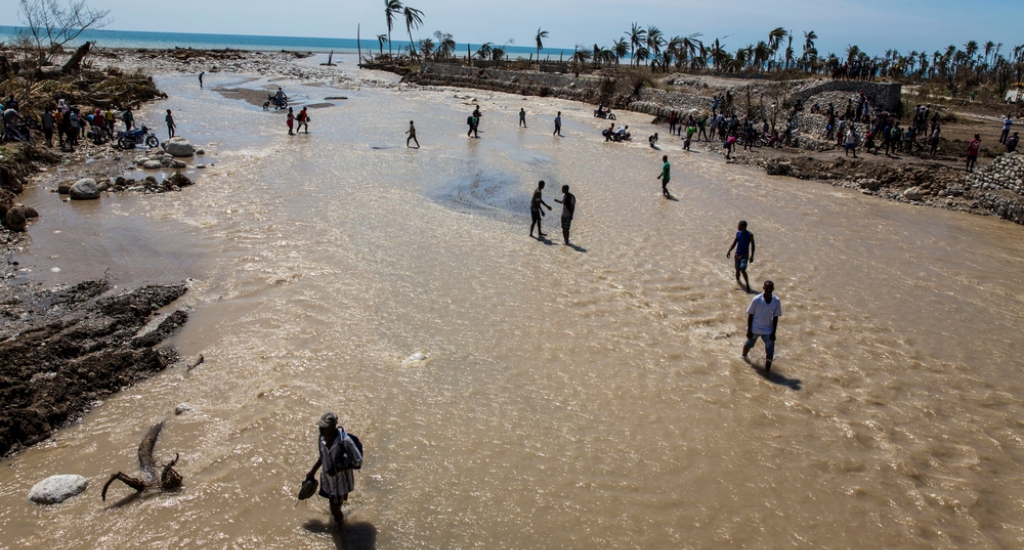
(762, 322)
(339, 457)
(535, 212)
(745, 247)
(568, 203)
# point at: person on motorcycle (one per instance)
(279, 96)
(600, 110)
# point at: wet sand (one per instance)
(573, 397)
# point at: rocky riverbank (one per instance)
(64, 349)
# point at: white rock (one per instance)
(141, 160)
(179, 147)
(417, 357)
(183, 408)
(84, 190)
(57, 489)
(152, 165)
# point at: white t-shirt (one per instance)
(1007, 123)
(764, 313)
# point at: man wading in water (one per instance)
(412, 135)
(170, 123)
(745, 247)
(664, 177)
(536, 212)
(762, 322)
(339, 456)
(568, 203)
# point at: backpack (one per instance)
(359, 445)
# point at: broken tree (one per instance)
(169, 480)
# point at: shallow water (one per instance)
(573, 397)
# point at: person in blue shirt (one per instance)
(744, 245)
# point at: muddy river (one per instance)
(573, 397)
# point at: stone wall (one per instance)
(566, 86)
(885, 95)
(1006, 172)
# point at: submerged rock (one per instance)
(84, 190)
(56, 489)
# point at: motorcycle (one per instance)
(608, 114)
(129, 140)
(98, 136)
(277, 102)
(19, 133)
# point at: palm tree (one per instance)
(655, 40)
(541, 35)
(391, 10)
(413, 20)
(788, 51)
(381, 40)
(637, 38)
(762, 53)
(445, 45)
(426, 47)
(718, 55)
(485, 50)
(775, 39)
(620, 48)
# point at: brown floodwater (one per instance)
(574, 397)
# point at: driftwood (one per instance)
(75, 62)
(330, 61)
(169, 480)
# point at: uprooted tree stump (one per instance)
(169, 480)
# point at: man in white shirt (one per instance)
(762, 322)
(1007, 125)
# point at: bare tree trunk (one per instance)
(75, 63)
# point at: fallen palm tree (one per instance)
(170, 480)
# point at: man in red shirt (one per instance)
(972, 152)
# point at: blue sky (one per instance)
(874, 25)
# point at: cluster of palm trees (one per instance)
(953, 68)
(393, 10)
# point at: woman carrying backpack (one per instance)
(340, 456)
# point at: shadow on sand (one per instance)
(353, 535)
(774, 377)
(575, 247)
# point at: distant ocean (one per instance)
(168, 40)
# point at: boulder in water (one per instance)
(15, 219)
(84, 190)
(179, 147)
(152, 165)
(65, 186)
(55, 489)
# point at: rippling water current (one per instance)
(573, 397)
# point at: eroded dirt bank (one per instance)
(65, 348)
